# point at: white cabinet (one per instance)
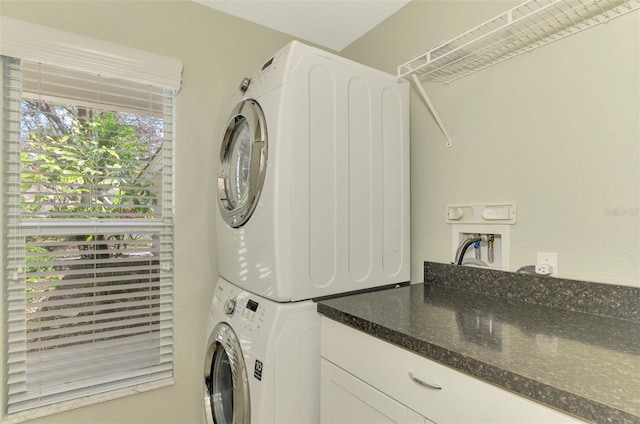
(365, 379)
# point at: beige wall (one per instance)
(216, 51)
(557, 131)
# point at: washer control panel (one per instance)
(244, 311)
(251, 314)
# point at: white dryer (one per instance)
(313, 179)
(262, 359)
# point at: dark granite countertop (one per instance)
(583, 364)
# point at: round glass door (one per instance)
(243, 162)
(226, 387)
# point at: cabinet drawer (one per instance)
(347, 399)
(460, 398)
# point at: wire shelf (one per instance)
(522, 29)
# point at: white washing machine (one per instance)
(313, 180)
(262, 359)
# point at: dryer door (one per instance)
(226, 386)
(243, 162)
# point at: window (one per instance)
(88, 230)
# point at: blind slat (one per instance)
(96, 370)
(165, 301)
(23, 402)
(83, 350)
(107, 318)
(58, 269)
(84, 338)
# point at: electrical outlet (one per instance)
(547, 260)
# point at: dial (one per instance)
(229, 306)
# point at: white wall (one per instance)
(216, 51)
(557, 131)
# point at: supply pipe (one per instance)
(464, 245)
(490, 239)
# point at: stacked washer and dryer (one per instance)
(313, 196)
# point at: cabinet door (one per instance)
(347, 399)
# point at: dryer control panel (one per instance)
(268, 77)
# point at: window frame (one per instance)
(23, 40)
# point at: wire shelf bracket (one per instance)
(433, 110)
(522, 29)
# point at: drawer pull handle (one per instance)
(424, 383)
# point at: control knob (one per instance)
(244, 85)
(229, 306)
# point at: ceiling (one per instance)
(333, 24)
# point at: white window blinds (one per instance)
(88, 219)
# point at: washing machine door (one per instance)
(226, 386)
(243, 163)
